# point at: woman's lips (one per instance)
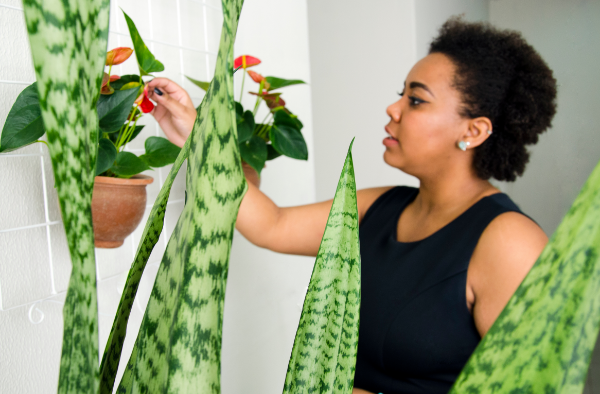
(389, 141)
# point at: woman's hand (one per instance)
(174, 111)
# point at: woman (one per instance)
(439, 262)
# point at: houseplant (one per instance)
(277, 134)
(119, 197)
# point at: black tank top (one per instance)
(416, 332)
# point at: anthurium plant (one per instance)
(123, 100)
(279, 133)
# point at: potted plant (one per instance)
(119, 197)
(279, 133)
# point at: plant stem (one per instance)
(108, 83)
(43, 142)
(258, 98)
(243, 80)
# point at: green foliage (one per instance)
(323, 358)
(254, 152)
(24, 123)
(124, 80)
(146, 60)
(107, 153)
(277, 83)
(288, 141)
(127, 165)
(179, 343)
(160, 152)
(245, 126)
(202, 85)
(68, 44)
(113, 109)
(542, 341)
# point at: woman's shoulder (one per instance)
(367, 197)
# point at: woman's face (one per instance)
(425, 124)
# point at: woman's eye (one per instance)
(401, 94)
(415, 101)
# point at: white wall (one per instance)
(360, 54)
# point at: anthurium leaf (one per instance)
(127, 165)
(202, 85)
(124, 80)
(68, 41)
(178, 347)
(160, 152)
(239, 110)
(276, 83)
(324, 353)
(272, 153)
(283, 118)
(245, 126)
(146, 60)
(289, 142)
(113, 110)
(107, 153)
(24, 123)
(542, 341)
(254, 152)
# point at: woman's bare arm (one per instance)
(505, 253)
(292, 230)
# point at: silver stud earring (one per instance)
(462, 145)
(490, 132)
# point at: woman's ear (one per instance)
(479, 130)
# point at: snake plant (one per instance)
(324, 354)
(68, 43)
(178, 348)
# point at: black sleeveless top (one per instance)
(416, 332)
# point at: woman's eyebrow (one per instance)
(414, 85)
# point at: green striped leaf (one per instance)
(68, 43)
(178, 348)
(323, 358)
(542, 341)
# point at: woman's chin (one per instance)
(392, 159)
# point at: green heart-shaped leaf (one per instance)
(107, 153)
(254, 152)
(127, 165)
(289, 141)
(24, 123)
(146, 60)
(239, 110)
(124, 80)
(160, 152)
(245, 126)
(283, 118)
(277, 83)
(272, 153)
(114, 109)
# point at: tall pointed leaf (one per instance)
(543, 340)
(324, 353)
(179, 343)
(68, 44)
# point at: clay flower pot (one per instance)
(117, 208)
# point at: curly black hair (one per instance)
(501, 77)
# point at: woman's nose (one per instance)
(394, 111)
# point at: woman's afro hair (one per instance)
(501, 77)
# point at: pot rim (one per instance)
(138, 179)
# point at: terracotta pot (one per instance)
(251, 174)
(118, 206)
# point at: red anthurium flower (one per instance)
(245, 61)
(144, 102)
(114, 78)
(106, 90)
(118, 56)
(256, 77)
